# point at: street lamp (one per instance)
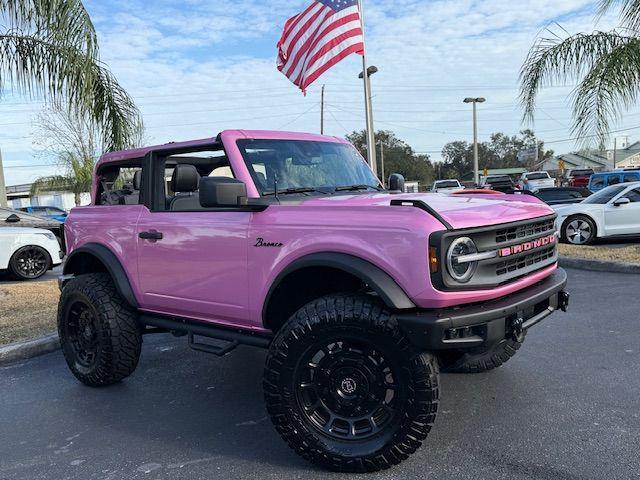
(371, 140)
(475, 101)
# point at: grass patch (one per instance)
(27, 310)
(630, 254)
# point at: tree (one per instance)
(606, 65)
(77, 179)
(48, 48)
(501, 151)
(399, 157)
(74, 139)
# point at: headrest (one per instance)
(185, 178)
(137, 180)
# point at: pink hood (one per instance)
(458, 210)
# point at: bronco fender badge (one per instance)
(261, 242)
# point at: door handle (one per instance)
(151, 235)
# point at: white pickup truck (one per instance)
(534, 181)
(451, 185)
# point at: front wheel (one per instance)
(345, 388)
(579, 230)
(30, 262)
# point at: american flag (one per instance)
(316, 39)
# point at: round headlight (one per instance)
(461, 272)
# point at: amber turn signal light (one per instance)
(433, 259)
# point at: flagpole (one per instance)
(371, 140)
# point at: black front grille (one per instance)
(515, 264)
(524, 231)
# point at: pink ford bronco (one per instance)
(288, 242)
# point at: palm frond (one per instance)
(65, 21)
(558, 60)
(54, 183)
(611, 86)
(39, 65)
(629, 12)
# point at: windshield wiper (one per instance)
(351, 188)
(294, 190)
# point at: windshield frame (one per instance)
(243, 144)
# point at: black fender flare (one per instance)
(77, 263)
(380, 282)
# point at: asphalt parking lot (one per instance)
(566, 407)
(53, 274)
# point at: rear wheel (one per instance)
(99, 333)
(30, 262)
(345, 389)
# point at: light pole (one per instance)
(475, 101)
(371, 138)
(3, 190)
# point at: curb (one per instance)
(599, 265)
(28, 349)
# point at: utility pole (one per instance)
(382, 162)
(3, 189)
(615, 151)
(366, 73)
(475, 101)
(322, 111)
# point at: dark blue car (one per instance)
(47, 212)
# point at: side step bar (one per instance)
(193, 328)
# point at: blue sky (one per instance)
(197, 67)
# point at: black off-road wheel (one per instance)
(99, 333)
(345, 388)
(481, 359)
(29, 263)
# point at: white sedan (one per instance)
(612, 212)
(28, 253)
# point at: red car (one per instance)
(579, 177)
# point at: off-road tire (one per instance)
(113, 325)
(356, 320)
(18, 271)
(481, 359)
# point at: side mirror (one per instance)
(621, 201)
(222, 192)
(13, 218)
(396, 182)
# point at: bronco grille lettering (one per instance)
(524, 247)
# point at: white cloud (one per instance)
(197, 67)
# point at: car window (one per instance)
(53, 211)
(447, 184)
(537, 176)
(597, 182)
(605, 195)
(633, 195)
(613, 180)
(117, 184)
(630, 177)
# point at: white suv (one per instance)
(28, 253)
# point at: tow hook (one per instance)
(517, 332)
(563, 301)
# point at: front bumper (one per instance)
(489, 322)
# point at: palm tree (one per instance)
(48, 48)
(77, 179)
(606, 66)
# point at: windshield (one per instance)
(447, 184)
(537, 176)
(581, 173)
(498, 179)
(605, 195)
(305, 165)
